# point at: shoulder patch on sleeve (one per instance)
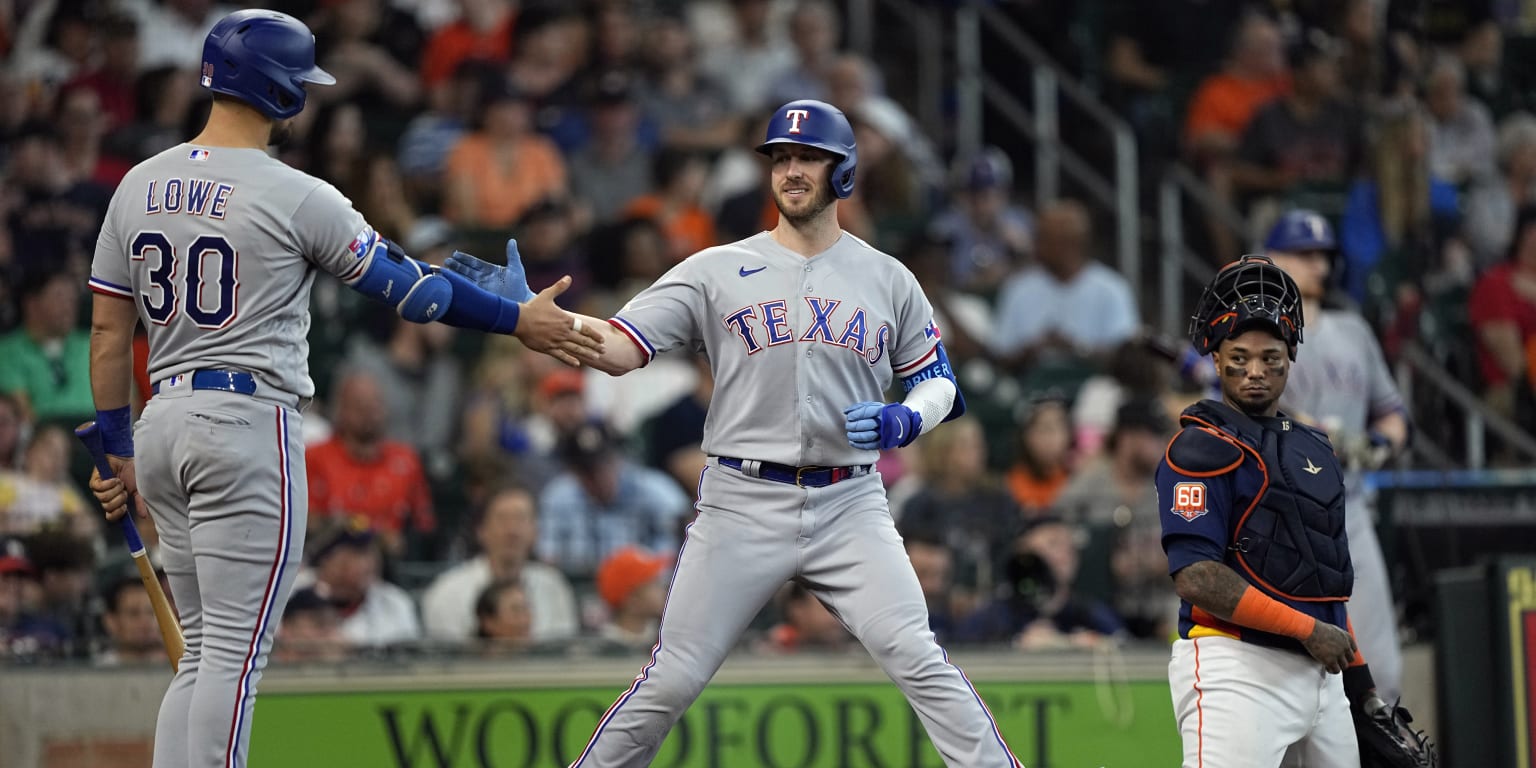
(1202, 452)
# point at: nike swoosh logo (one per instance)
(744, 271)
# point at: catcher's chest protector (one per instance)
(1288, 534)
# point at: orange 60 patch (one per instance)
(1189, 500)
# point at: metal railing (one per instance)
(928, 33)
(1040, 120)
(1176, 260)
(1416, 367)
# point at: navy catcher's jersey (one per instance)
(218, 247)
(791, 340)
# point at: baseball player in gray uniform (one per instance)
(214, 245)
(804, 327)
(1340, 383)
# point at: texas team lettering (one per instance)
(770, 319)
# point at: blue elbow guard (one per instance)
(939, 368)
(419, 293)
(476, 308)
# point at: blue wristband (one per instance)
(478, 309)
(116, 428)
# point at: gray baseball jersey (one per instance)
(792, 340)
(219, 247)
(1341, 380)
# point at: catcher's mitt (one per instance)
(1387, 738)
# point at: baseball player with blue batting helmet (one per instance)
(214, 245)
(805, 327)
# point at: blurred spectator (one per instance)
(1503, 315)
(1140, 368)
(602, 501)
(891, 188)
(496, 173)
(482, 31)
(853, 82)
(613, 167)
(53, 216)
(677, 180)
(54, 42)
(47, 359)
(163, 108)
(807, 625)
(756, 48)
(1254, 74)
(66, 612)
(41, 495)
(1482, 53)
(82, 125)
(693, 111)
(112, 77)
(814, 31)
(674, 436)
(934, 564)
(1041, 466)
(548, 52)
(505, 532)
(550, 249)
(1115, 499)
(1070, 306)
(1392, 213)
(347, 570)
(133, 636)
(960, 502)
(633, 584)
(171, 32)
(503, 617)
(965, 319)
(1157, 50)
(385, 203)
(421, 383)
(1037, 609)
(988, 232)
(1308, 137)
(452, 110)
(1493, 202)
(371, 48)
(22, 633)
(13, 432)
(615, 36)
(627, 257)
(358, 471)
(310, 631)
(338, 139)
(501, 420)
(1461, 138)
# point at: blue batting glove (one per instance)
(509, 282)
(878, 426)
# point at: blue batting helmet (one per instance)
(1301, 230)
(820, 125)
(263, 58)
(1250, 293)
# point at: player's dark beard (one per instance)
(281, 132)
(818, 204)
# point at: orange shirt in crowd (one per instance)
(1035, 494)
(388, 491)
(1224, 104)
(459, 42)
(502, 190)
(688, 231)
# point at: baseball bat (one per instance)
(170, 627)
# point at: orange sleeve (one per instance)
(1201, 117)
(1262, 612)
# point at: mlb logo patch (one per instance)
(207, 79)
(1189, 500)
(932, 331)
(198, 154)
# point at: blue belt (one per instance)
(224, 381)
(803, 477)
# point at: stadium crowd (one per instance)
(467, 494)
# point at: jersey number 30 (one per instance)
(210, 309)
